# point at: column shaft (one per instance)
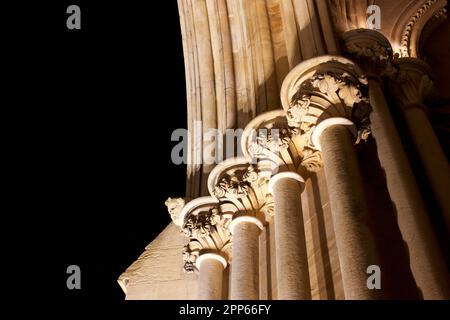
(245, 262)
(431, 155)
(354, 240)
(291, 255)
(210, 280)
(426, 260)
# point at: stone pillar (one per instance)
(374, 53)
(410, 87)
(291, 255)
(426, 261)
(208, 249)
(245, 258)
(354, 240)
(210, 267)
(325, 97)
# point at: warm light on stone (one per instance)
(319, 187)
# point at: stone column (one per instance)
(291, 255)
(426, 261)
(374, 53)
(325, 97)
(208, 249)
(245, 258)
(354, 240)
(410, 86)
(210, 267)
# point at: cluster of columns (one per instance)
(426, 260)
(411, 87)
(334, 137)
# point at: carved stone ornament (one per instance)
(200, 224)
(174, 206)
(268, 142)
(371, 50)
(207, 228)
(410, 33)
(189, 258)
(323, 88)
(236, 184)
(329, 86)
(274, 140)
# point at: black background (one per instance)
(99, 105)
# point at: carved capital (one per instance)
(370, 49)
(240, 185)
(189, 258)
(268, 141)
(323, 88)
(412, 84)
(201, 223)
(235, 184)
(206, 225)
(194, 250)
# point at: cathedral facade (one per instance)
(338, 184)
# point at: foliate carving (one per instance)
(207, 228)
(269, 206)
(326, 95)
(361, 118)
(201, 224)
(298, 109)
(337, 89)
(236, 184)
(189, 258)
(274, 140)
(371, 50)
(312, 159)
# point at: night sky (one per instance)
(107, 98)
